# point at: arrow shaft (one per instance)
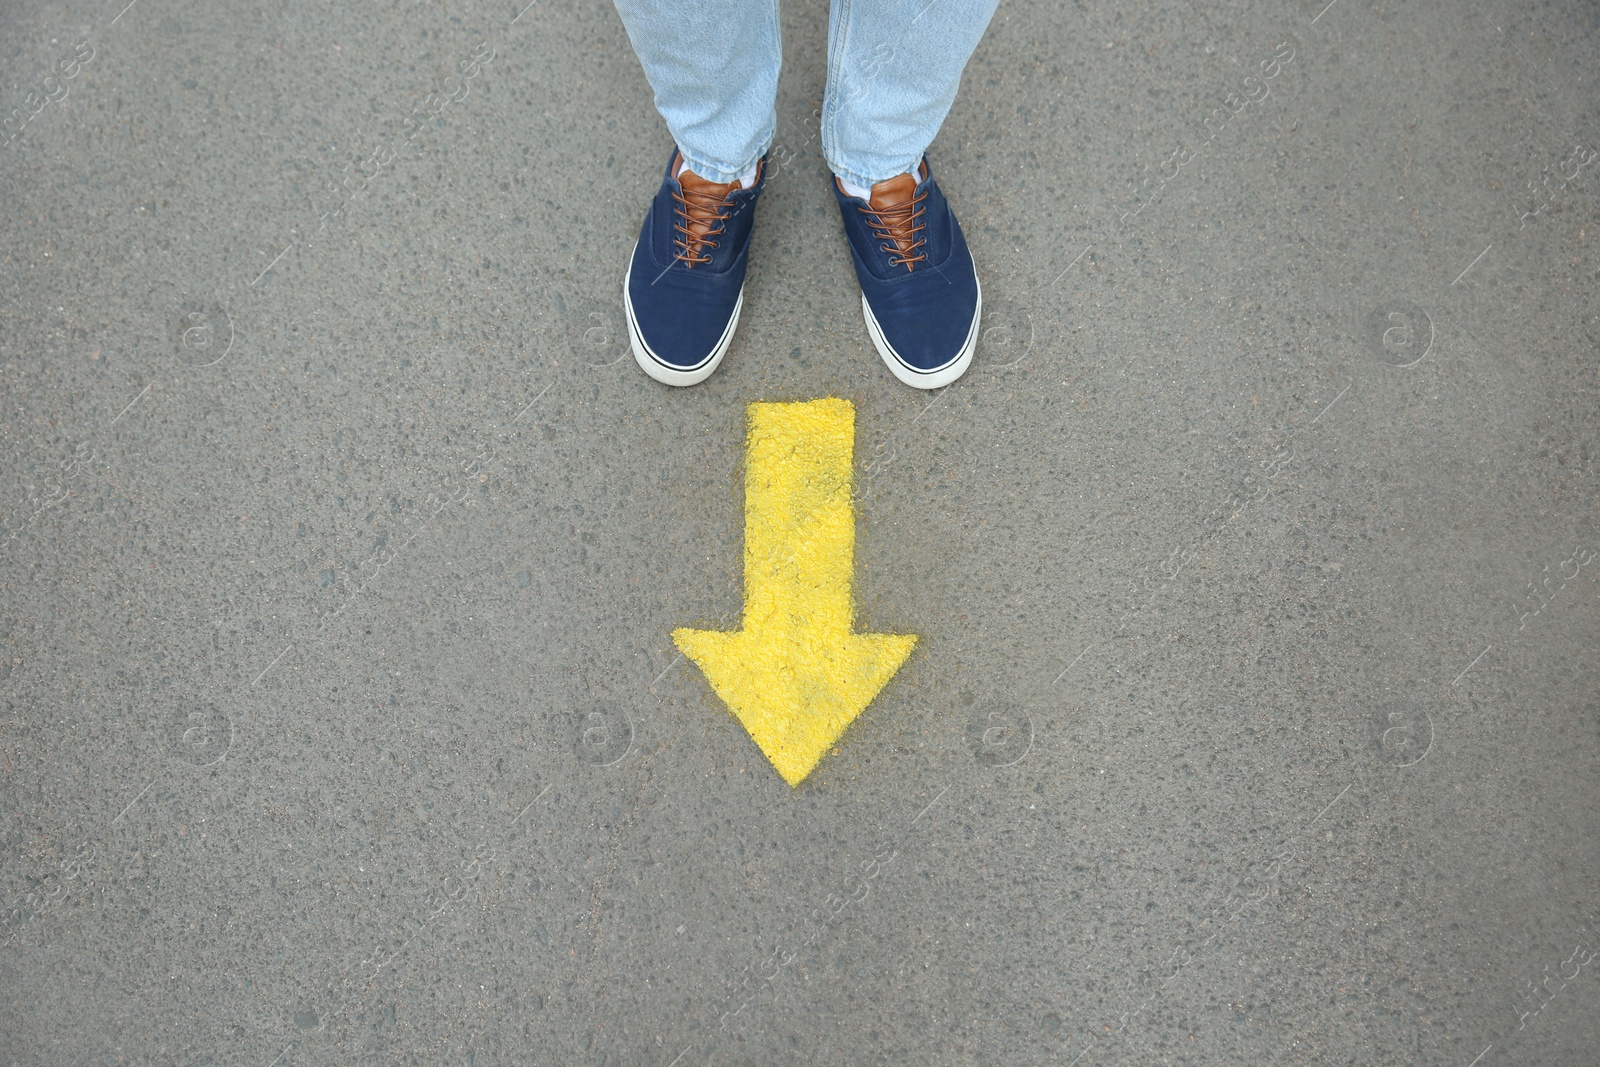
(799, 535)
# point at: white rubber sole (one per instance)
(926, 379)
(658, 368)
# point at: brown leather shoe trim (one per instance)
(702, 209)
(896, 212)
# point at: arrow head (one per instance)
(795, 693)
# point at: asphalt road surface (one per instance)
(1254, 567)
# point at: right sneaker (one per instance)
(685, 282)
(919, 290)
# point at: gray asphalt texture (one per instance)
(1254, 716)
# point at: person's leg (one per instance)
(713, 65)
(893, 70)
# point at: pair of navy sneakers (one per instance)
(685, 284)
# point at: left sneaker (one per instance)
(685, 281)
(919, 289)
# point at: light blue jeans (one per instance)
(893, 70)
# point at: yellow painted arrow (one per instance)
(796, 675)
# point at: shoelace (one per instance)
(901, 226)
(697, 208)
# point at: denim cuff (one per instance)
(713, 170)
(867, 180)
